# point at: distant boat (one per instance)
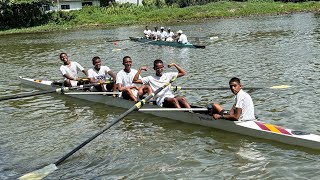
(165, 43)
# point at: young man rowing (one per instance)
(243, 108)
(101, 74)
(124, 82)
(166, 97)
(69, 71)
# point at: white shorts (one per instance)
(169, 39)
(134, 92)
(73, 83)
(161, 99)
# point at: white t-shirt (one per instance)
(102, 74)
(170, 34)
(125, 78)
(147, 32)
(72, 69)
(183, 39)
(156, 34)
(243, 100)
(163, 35)
(157, 82)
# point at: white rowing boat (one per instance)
(198, 116)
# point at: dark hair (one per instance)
(234, 79)
(94, 59)
(62, 54)
(124, 58)
(157, 61)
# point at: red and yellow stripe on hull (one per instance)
(38, 80)
(272, 128)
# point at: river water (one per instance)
(261, 51)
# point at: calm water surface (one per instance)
(262, 51)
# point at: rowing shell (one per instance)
(251, 128)
(165, 43)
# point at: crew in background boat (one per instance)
(242, 109)
(156, 35)
(165, 98)
(182, 38)
(163, 34)
(125, 83)
(69, 71)
(102, 75)
(170, 35)
(147, 32)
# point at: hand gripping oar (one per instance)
(178, 88)
(41, 173)
(58, 90)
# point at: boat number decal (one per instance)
(272, 128)
(37, 80)
(299, 133)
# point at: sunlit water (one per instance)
(261, 51)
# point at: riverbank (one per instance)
(96, 17)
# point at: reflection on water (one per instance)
(262, 51)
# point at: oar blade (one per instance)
(40, 173)
(280, 87)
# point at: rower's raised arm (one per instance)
(85, 72)
(136, 77)
(113, 75)
(181, 71)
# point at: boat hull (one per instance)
(256, 129)
(165, 43)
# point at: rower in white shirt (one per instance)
(156, 35)
(170, 35)
(182, 37)
(163, 34)
(147, 32)
(101, 74)
(124, 80)
(164, 98)
(69, 71)
(242, 109)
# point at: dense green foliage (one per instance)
(22, 13)
(128, 14)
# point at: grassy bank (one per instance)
(93, 17)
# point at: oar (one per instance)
(197, 38)
(199, 46)
(89, 93)
(178, 88)
(58, 90)
(117, 40)
(34, 93)
(41, 173)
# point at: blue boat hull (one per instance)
(164, 43)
